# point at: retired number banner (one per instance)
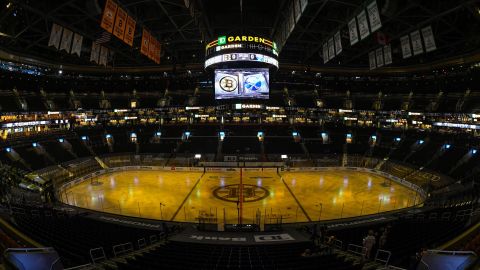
(108, 18)
(129, 31)
(145, 40)
(120, 22)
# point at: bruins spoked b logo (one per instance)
(228, 83)
(231, 193)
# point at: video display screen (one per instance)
(252, 83)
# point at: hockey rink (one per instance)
(247, 196)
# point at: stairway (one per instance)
(101, 163)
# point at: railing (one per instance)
(122, 249)
(356, 249)
(383, 256)
(97, 254)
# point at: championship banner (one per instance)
(387, 53)
(371, 58)
(325, 53)
(353, 31)
(292, 18)
(55, 36)
(77, 44)
(416, 42)
(66, 40)
(304, 4)
(331, 49)
(108, 18)
(129, 31)
(428, 39)
(158, 52)
(338, 43)
(363, 24)
(406, 50)
(120, 22)
(95, 52)
(151, 47)
(145, 40)
(379, 54)
(298, 10)
(374, 16)
(103, 56)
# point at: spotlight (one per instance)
(198, 156)
(8, 149)
(34, 144)
(447, 146)
(397, 139)
(158, 134)
(474, 151)
(421, 141)
(61, 140)
(284, 156)
(60, 72)
(84, 138)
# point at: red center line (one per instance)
(241, 197)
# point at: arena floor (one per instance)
(216, 196)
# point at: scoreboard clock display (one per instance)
(230, 50)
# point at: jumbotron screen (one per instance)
(252, 83)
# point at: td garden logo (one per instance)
(222, 40)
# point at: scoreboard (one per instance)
(241, 49)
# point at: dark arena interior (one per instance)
(240, 134)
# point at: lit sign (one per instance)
(456, 125)
(24, 124)
(252, 39)
(237, 57)
(247, 106)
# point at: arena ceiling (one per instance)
(25, 28)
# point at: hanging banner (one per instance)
(292, 18)
(353, 31)
(66, 40)
(363, 24)
(338, 43)
(120, 22)
(304, 4)
(405, 43)
(331, 49)
(387, 53)
(108, 18)
(55, 36)
(298, 9)
(158, 50)
(428, 39)
(371, 58)
(151, 47)
(374, 16)
(379, 55)
(95, 52)
(103, 56)
(129, 31)
(325, 53)
(77, 44)
(416, 42)
(145, 40)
